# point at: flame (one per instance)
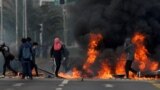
(76, 73)
(120, 66)
(73, 75)
(141, 53)
(33, 72)
(141, 59)
(92, 52)
(154, 66)
(105, 72)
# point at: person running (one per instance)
(130, 50)
(8, 57)
(57, 53)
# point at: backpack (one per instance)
(27, 52)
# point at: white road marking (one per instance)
(65, 82)
(18, 84)
(58, 88)
(61, 85)
(109, 86)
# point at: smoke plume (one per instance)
(116, 20)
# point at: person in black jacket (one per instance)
(57, 53)
(7, 57)
(130, 50)
(25, 56)
(34, 53)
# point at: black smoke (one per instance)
(116, 20)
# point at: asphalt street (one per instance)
(87, 84)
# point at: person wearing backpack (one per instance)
(57, 53)
(7, 59)
(25, 56)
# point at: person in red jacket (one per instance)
(57, 53)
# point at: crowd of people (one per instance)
(27, 56)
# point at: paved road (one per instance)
(60, 84)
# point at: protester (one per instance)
(34, 50)
(130, 50)
(25, 56)
(57, 53)
(8, 57)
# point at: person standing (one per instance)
(7, 59)
(57, 53)
(34, 50)
(25, 56)
(129, 50)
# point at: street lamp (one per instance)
(41, 39)
(24, 18)
(62, 3)
(16, 3)
(2, 20)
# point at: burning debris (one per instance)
(92, 52)
(142, 55)
(107, 71)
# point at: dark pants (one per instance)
(7, 65)
(27, 71)
(58, 64)
(129, 68)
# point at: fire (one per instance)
(120, 65)
(154, 66)
(105, 72)
(141, 53)
(92, 52)
(34, 72)
(74, 74)
(91, 57)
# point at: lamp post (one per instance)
(24, 18)
(64, 25)
(41, 40)
(16, 3)
(63, 5)
(2, 20)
